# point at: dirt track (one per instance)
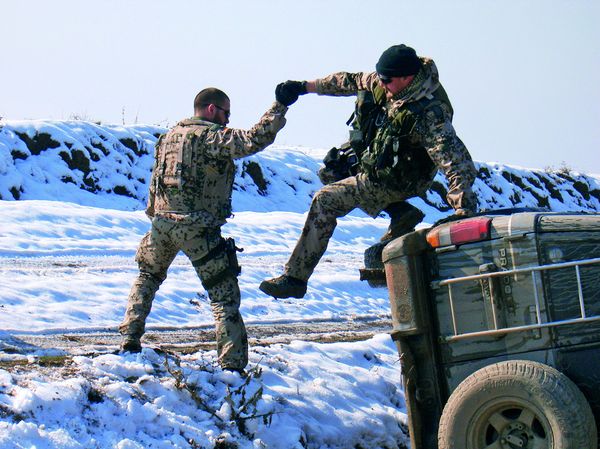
(187, 340)
(62, 344)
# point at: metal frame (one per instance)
(534, 277)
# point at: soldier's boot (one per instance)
(284, 286)
(403, 219)
(130, 344)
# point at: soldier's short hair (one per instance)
(210, 95)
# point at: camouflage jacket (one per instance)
(193, 172)
(430, 130)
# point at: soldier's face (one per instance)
(222, 113)
(395, 84)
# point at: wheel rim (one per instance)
(509, 423)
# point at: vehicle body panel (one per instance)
(524, 296)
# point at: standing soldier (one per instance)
(411, 137)
(189, 201)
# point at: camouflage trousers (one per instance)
(333, 201)
(155, 254)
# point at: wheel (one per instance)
(372, 259)
(517, 404)
(372, 255)
(377, 283)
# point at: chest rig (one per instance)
(396, 156)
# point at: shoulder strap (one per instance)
(368, 116)
(416, 110)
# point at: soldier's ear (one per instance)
(206, 112)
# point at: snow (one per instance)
(66, 267)
(67, 263)
(323, 395)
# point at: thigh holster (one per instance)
(225, 247)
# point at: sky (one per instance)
(522, 76)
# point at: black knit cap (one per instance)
(398, 60)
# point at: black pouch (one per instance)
(227, 247)
(231, 250)
(339, 163)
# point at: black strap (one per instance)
(225, 246)
(213, 253)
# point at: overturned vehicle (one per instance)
(497, 322)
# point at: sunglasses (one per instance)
(226, 112)
(384, 79)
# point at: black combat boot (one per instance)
(284, 286)
(403, 219)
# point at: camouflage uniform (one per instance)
(189, 200)
(413, 141)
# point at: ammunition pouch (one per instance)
(357, 140)
(392, 159)
(386, 157)
(228, 248)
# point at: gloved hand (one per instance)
(287, 93)
(298, 87)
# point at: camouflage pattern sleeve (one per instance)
(451, 156)
(237, 143)
(344, 84)
(152, 186)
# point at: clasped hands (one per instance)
(288, 92)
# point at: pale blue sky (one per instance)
(523, 75)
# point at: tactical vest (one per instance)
(369, 114)
(393, 157)
(188, 179)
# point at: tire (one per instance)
(517, 404)
(372, 259)
(372, 255)
(377, 284)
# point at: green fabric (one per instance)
(393, 158)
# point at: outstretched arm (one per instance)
(451, 156)
(344, 84)
(238, 143)
(337, 84)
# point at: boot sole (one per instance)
(268, 289)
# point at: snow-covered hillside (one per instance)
(109, 166)
(71, 200)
